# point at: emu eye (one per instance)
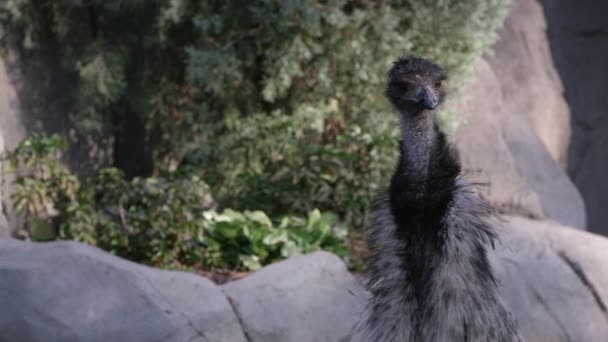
(437, 85)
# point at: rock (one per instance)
(306, 298)
(503, 151)
(555, 280)
(485, 153)
(5, 230)
(11, 130)
(560, 199)
(66, 291)
(588, 250)
(516, 127)
(578, 36)
(530, 85)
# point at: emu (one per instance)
(428, 274)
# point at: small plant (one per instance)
(250, 239)
(43, 185)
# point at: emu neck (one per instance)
(422, 184)
(417, 137)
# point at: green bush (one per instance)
(46, 183)
(250, 239)
(293, 164)
(163, 221)
(152, 220)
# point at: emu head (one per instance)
(415, 84)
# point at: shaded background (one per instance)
(578, 35)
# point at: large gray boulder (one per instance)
(555, 280)
(66, 291)
(310, 298)
(516, 125)
(502, 150)
(530, 85)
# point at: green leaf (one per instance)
(290, 249)
(276, 237)
(251, 262)
(259, 217)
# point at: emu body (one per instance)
(429, 275)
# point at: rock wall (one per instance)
(578, 36)
(516, 125)
(554, 279)
(530, 85)
(11, 131)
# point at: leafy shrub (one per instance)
(250, 239)
(46, 182)
(152, 220)
(283, 164)
(163, 221)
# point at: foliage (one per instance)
(46, 184)
(164, 221)
(150, 220)
(278, 105)
(293, 164)
(250, 239)
(176, 63)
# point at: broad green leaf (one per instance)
(260, 217)
(275, 237)
(290, 249)
(251, 262)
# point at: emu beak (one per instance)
(428, 99)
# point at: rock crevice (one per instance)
(580, 273)
(238, 316)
